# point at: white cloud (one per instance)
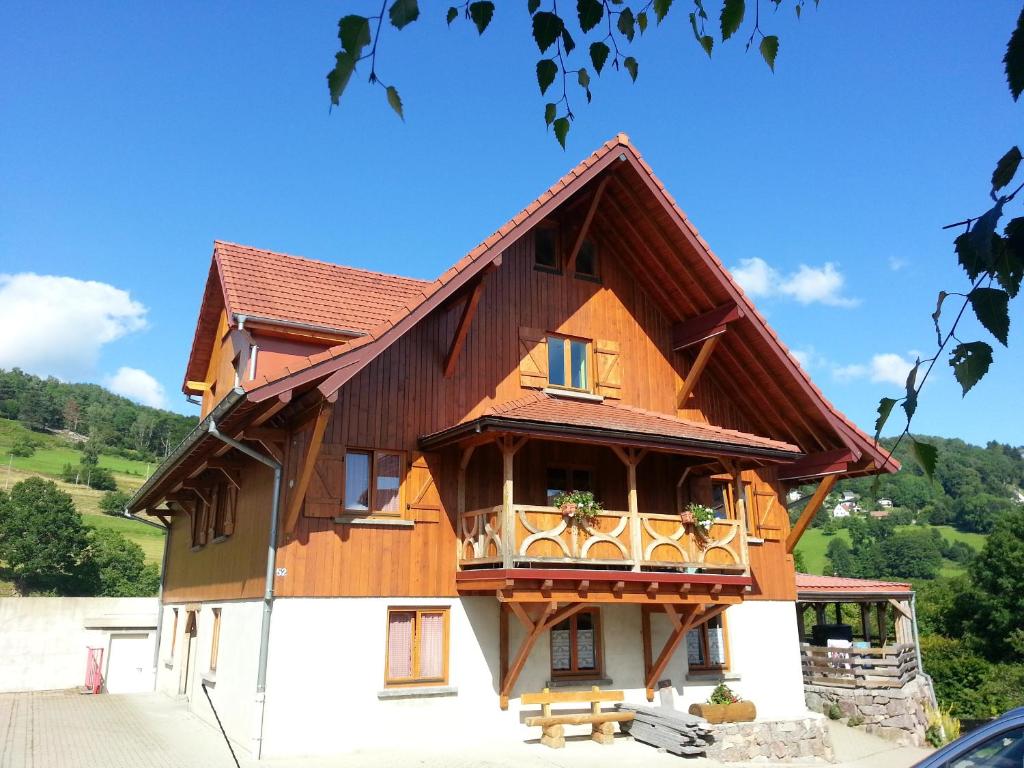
(896, 263)
(57, 325)
(137, 385)
(886, 368)
(807, 285)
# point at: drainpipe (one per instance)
(268, 589)
(917, 651)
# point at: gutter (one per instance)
(241, 320)
(268, 588)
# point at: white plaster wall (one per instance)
(232, 687)
(43, 640)
(327, 660)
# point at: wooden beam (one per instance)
(676, 637)
(265, 433)
(503, 609)
(197, 386)
(521, 614)
(510, 677)
(468, 312)
(824, 487)
(693, 375)
(307, 467)
(272, 410)
(817, 465)
(645, 636)
(703, 327)
(570, 264)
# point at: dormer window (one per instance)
(568, 363)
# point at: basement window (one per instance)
(706, 647)
(417, 650)
(576, 645)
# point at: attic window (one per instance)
(545, 248)
(586, 260)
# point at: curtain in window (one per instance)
(400, 640)
(431, 645)
(389, 467)
(357, 481)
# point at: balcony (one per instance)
(541, 537)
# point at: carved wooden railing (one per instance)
(891, 666)
(542, 535)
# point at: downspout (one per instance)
(917, 651)
(268, 589)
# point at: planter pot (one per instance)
(568, 509)
(740, 712)
(687, 518)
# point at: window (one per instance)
(417, 651)
(706, 647)
(721, 499)
(568, 363)
(564, 479)
(576, 645)
(373, 482)
(545, 248)
(1004, 750)
(215, 640)
(586, 260)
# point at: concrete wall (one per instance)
(43, 640)
(232, 687)
(327, 658)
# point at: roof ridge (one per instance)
(220, 243)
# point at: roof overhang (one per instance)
(600, 436)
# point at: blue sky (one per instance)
(133, 134)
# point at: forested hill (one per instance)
(110, 421)
(973, 486)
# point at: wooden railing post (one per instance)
(508, 525)
(631, 458)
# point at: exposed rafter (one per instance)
(824, 487)
(818, 465)
(307, 467)
(693, 375)
(468, 312)
(705, 326)
(570, 264)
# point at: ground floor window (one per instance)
(417, 651)
(576, 645)
(706, 646)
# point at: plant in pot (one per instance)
(724, 706)
(700, 518)
(578, 507)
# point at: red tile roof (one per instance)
(542, 408)
(295, 289)
(840, 585)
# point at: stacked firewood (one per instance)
(668, 729)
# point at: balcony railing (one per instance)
(648, 541)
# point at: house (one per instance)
(885, 503)
(845, 509)
(361, 529)
(880, 514)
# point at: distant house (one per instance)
(845, 509)
(365, 517)
(885, 503)
(879, 514)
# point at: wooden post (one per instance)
(824, 487)
(839, 613)
(631, 458)
(819, 611)
(508, 523)
(883, 621)
(865, 622)
(645, 636)
(460, 509)
(503, 648)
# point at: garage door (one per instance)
(128, 663)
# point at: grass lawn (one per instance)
(814, 543)
(149, 538)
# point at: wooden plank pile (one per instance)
(668, 729)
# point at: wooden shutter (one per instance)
(230, 507)
(203, 514)
(533, 366)
(767, 510)
(323, 497)
(213, 493)
(608, 373)
(424, 499)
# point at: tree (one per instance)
(42, 540)
(979, 512)
(72, 413)
(37, 409)
(911, 554)
(799, 561)
(23, 446)
(98, 478)
(840, 558)
(991, 611)
(121, 566)
(114, 502)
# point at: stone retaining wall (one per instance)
(897, 714)
(776, 740)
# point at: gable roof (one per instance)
(279, 287)
(542, 412)
(675, 265)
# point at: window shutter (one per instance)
(424, 499)
(323, 497)
(766, 515)
(212, 511)
(203, 511)
(608, 376)
(230, 504)
(533, 366)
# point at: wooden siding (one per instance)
(232, 569)
(403, 394)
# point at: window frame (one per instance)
(372, 511)
(567, 361)
(705, 645)
(549, 226)
(574, 672)
(729, 496)
(416, 681)
(215, 639)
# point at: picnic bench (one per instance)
(553, 725)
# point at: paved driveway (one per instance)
(71, 730)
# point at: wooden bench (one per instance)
(553, 726)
